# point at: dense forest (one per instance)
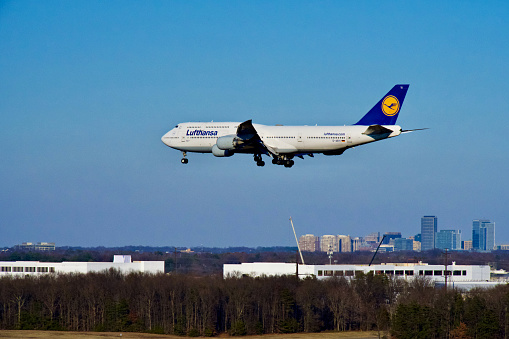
(191, 305)
(193, 298)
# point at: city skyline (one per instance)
(482, 229)
(313, 242)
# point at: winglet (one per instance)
(386, 111)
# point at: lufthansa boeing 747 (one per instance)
(284, 143)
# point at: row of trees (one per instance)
(190, 305)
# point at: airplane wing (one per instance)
(246, 131)
(250, 137)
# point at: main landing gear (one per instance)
(259, 161)
(184, 159)
(283, 161)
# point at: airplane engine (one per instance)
(220, 152)
(228, 142)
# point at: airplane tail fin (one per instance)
(386, 111)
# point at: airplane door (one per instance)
(183, 137)
(299, 137)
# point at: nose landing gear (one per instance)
(184, 159)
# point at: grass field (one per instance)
(131, 335)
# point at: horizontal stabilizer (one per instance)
(412, 130)
(377, 129)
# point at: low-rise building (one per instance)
(123, 263)
(460, 276)
(40, 246)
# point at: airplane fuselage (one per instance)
(201, 137)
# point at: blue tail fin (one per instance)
(386, 111)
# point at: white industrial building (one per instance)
(123, 263)
(460, 276)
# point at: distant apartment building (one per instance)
(428, 231)
(467, 245)
(504, 247)
(40, 246)
(329, 242)
(483, 235)
(309, 243)
(344, 243)
(450, 239)
(356, 244)
(417, 246)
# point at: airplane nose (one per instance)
(166, 139)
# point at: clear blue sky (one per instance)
(89, 87)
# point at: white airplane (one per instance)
(283, 143)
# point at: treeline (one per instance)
(207, 306)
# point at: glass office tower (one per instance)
(428, 232)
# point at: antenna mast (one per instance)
(297, 241)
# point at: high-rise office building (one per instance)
(372, 237)
(428, 231)
(450, 239)
(391, 235)
(309, 243)
(403, 244)
(487, 236)
(476, 225)
(483, 235)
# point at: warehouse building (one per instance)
(123, 263)
(461, 276)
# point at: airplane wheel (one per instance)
(274, 161)
(289, 163)
(184, 160)
(261, 163)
